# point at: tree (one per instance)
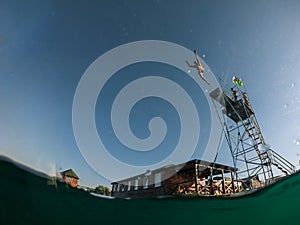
(102, 190)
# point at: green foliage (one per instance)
(102, 190)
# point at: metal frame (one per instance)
(251, 157)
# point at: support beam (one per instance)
(196, 179)
(211, 182)
(232, 182)
(223, 183)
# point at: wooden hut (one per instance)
(196, 177)
(70, 177)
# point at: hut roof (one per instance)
(69, 173)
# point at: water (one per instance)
(26, 198)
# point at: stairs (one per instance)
(281, 168)
(267, 158)
(281, 163)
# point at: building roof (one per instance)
(204, 167)
(69, 173)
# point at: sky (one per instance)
(46, 48)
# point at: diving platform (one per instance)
(251, 155)
(236, 109)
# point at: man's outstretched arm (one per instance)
(197, 56)
(192, 66)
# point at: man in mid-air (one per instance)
(198, 66)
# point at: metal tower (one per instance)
(252, 158)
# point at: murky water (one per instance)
(26, 198)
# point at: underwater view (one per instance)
(30, 199)
(149, 111)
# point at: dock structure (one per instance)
(196, 177)
(250, 153)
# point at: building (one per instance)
(255, 163)
(70, 177)
(196, 177)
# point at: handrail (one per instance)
(289, 167)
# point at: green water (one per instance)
(26, 198)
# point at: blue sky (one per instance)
(45, 47)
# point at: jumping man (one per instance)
(198, 66)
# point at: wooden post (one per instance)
(232, 182)
(223, 183)
(196, 179)
(211, 182)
